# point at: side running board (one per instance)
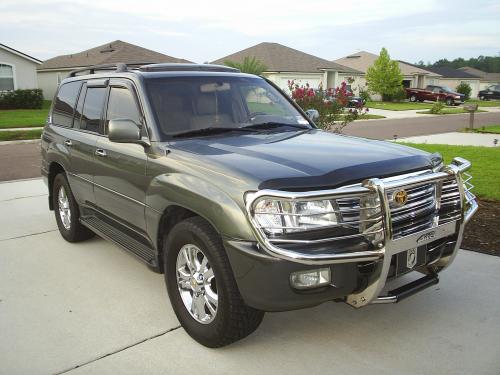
(123, 240)
(408, 290)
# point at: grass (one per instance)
(485, 161)
(401, 106)
(16, 135)
(24, 118)
(490, 129)
(370, 117)
(449, 111)
(484, 103)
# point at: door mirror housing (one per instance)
(125, 131)
(313, 114)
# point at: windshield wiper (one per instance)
(209, 131)
(273, 124)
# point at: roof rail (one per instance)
(176, 67)
(118, 68)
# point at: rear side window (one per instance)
(122, 105)
(62, 113)
(92, 109)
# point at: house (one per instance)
(486, 79)
(54, 70)
(17, 69)
(284, 63)
(413, 76)
(453, 77)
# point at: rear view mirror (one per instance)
(212, 87)
(124, 131)
(313, 114)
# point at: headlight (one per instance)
(282, 216)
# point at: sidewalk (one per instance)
(391, 115)
(456, 138)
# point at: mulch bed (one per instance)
(482, 233)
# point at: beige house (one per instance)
(453, 77)
(284, 63)
(17, 69)
(54, 70)
(413, 76)
(485, 79)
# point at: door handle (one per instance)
(68, 143)
(100, 152)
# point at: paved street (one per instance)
(94, 306)
(19, 161)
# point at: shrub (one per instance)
(331, 104)
(437, 108)
(21, 99)
(398, 96)
(464, 88)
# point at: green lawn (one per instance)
(495, 129)
(370, 117)
(15, 135)
(484, 103)
(485, 162)
(450, 111)
(24, 118)
(401, 106)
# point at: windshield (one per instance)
(188, 104)
(446, 89)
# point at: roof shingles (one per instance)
(280, 58)
(114, 52)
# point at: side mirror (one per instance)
(312, 114)
(124, 131)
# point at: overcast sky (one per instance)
(206, 30)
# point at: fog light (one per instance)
(310, 279)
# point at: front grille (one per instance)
(421, 210)
(450, 202)
(417, 213)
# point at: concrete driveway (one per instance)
(91, 308)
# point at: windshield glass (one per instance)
(185, 104)
(446, 89)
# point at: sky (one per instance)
(203, 31)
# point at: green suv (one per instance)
(221, 182)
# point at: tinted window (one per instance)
(193, 103)
(122, 105)
(92, 109)
(79, 106)
(64, 104)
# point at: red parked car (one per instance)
(435, 93)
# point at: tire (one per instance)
(69, 226)
(232, 320)
(413, 98)
(449, 101)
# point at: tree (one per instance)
(384, 76)
(249, 65)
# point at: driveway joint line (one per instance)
(28, 235)
(28, 196)
(118, 350)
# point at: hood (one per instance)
(302, 160)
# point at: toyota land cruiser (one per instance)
(221, 182)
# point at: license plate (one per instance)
(410, 259)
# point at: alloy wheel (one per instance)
(64, 209)
(196, 284)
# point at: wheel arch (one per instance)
(54, 169)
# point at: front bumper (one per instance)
(356, 289)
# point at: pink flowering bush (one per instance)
(332, 105)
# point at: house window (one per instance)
(6, 77)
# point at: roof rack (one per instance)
(176, 67)
(149, 67)
(118, 68)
